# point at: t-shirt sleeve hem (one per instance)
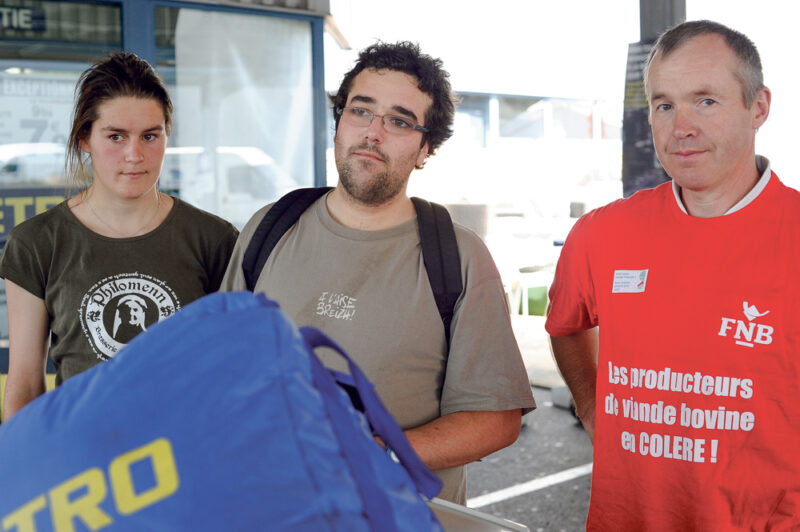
(526, 406)
(23, 281)
(557, 332)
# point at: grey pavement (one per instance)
(536, 354)
(551, 442)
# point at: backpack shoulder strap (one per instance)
(283, 215)
(440, 254)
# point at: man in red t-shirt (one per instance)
(674, 313)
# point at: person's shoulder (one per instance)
(474, 254)
(255, 220)
(643, 203)
(469, 242)
(203, 222)
(784, 205)
(787, 193)
(50, 219)
(38, 235)
(642, 200)
(466, 235)
(197, 215)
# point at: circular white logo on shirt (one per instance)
(119, 307)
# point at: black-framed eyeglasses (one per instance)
(394, 124)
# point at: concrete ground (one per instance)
(543, 480)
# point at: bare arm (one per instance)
(463, 437)
(28, 326)
(576, 356)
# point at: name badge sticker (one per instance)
(629, 281)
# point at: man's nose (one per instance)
(684, 123)
(376, 129)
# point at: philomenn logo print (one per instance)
(121, 306)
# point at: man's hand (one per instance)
(576, 356)
(463, 437)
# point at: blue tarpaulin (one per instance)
(219, 418)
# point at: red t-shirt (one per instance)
(698, 385)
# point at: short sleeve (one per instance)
(220, 257)
(572, 295)
(485, 370)
(22, 264)
(234, 276)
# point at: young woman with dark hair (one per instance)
(86, 276)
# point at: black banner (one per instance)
(640, 166)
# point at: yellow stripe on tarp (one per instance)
(49, 379)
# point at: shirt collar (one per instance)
(762, 165)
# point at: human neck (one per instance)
(122, 218)
(355, 215)
(713, 202)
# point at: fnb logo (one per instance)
(748, 333)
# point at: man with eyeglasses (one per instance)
(352, 267)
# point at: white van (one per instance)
(32, 164)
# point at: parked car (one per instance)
(232, 182)
(31, 164)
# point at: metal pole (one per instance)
(640, 166)
(655, 16)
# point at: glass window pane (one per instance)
(521, 117)
(243, 123)
(44, 46)
(35, 109)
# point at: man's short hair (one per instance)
(432, 79)
(749, 74)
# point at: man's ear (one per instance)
(760, 107)
(423, 154)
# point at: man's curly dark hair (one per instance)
(432, 79)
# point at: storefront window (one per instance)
(241, 85)
(243, 96)
(44, 46)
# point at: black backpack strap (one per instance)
(440, 254)
(283, 215)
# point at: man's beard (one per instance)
(377, 190)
